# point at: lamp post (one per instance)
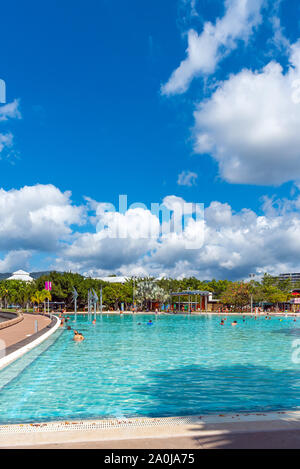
(133, 293)
(75, 296)
(94, 300)
(189, 302)
(48, 287)
(252, 277)
(101, 305)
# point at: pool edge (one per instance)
(11, 357)
(89, 431)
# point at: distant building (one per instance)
(21, 275)
(293, 277)
(112, 279)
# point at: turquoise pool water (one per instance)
(179, 366)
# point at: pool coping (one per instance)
(110, 430)
(18, 317)
(198, 313)
(15, 351)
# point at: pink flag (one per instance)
(48, 286)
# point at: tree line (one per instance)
(143, 291)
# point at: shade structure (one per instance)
(193, 295)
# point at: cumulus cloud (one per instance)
(128, 240)
(120, 239)
(36, 217)
(14, 260)
(207, 49)
(43, 220)
(234, 244)
(250, 125)
(187, 178)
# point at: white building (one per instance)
(21, 275)
(112, 279)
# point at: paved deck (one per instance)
(255, 431)
(18, 332)
(287, 439)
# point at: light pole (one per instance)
(133, 293)
(189, 302)
(75, 296)
(252, 277)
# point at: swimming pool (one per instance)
(182, 365)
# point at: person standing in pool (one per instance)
(78, 337)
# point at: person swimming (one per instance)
(150, 323)
(78, 337)
(234, 323)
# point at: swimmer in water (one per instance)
(78, 337)
(94, 321)
(234, 323)
(150, 323)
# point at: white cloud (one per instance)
(6, 141)
(15, 260)
(234, 245)
(120, 239)
(187, 178)
(41, 221)
(10, 111)
(36, 217)
(279, 39)
(206, 50)
(250, 124)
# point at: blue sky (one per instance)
(99, 114)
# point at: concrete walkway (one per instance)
(18, 332)
(286, 439)
(255, 431)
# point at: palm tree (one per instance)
(40, 297)
(3, 294)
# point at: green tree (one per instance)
(40, 296)
(237, 294)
